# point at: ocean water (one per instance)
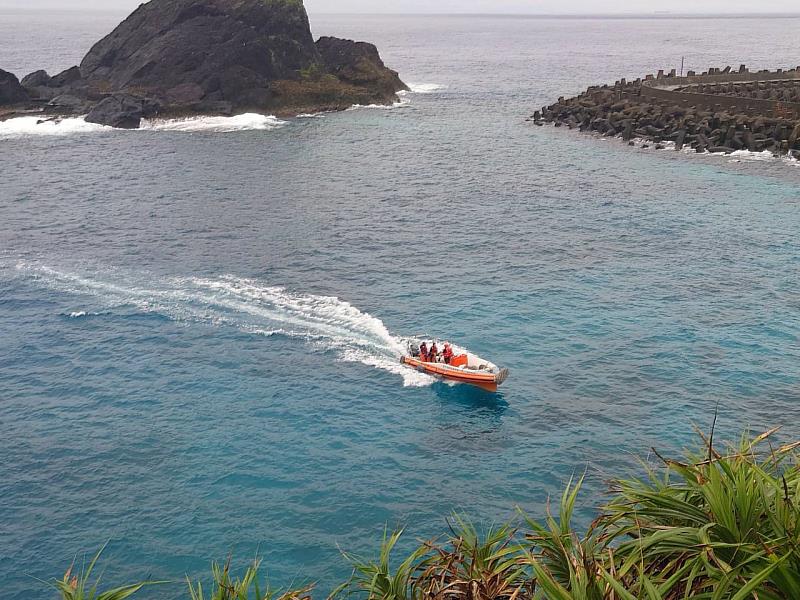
(200, 321)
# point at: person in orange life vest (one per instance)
(434, 357)
(423, 352)
(447, 353)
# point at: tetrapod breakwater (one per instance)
(719, 110)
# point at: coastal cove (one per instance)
(199, 319)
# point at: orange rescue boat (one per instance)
(464, 367)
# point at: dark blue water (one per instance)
(199, 330)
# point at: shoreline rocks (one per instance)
(719, 111)
(122, 111)
(11, 91)
(176, 58)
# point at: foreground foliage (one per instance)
(248, 587)
(713, 526)
(79, 585)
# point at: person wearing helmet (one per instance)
(434, 354)
(423, 352)
(447, 353)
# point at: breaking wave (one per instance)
(735, 156)
(27, 126)
(243, 122)
(425, 88)
(79, 314)
(766, 155)
(403, 101)
(19, 127)
(326, 323)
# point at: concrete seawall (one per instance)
(664, 88)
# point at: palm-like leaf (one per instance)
(81, 587)
(247, 587)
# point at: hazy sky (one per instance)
(475, 6)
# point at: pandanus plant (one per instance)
(474, 566)
(565, 565)
(713, 526)
(246, 587)
(79, 585)
(720, 525)
(378, 579)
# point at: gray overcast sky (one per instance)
(475, 6)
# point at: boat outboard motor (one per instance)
(413, 347)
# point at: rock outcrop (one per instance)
(123, 111)
(36, 79)
(360, 65)
(216, 57)
(11, 92)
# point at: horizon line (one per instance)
(654, 15)
(575, 15)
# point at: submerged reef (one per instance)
(720, 110)
(207, 57)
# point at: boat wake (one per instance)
(326, 323)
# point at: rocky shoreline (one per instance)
(717, 111)
(181, 58)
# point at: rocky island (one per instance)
(720, 110)
(174, 58)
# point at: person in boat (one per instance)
(447, 353)
(434, 354)
(423, 352)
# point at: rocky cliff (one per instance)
(178, 57)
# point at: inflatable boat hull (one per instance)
(483, 379)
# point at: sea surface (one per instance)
(200, 321)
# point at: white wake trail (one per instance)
(326, 323)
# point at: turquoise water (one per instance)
(200, 329)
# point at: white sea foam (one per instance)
(38, 125)
(318, 115)
(326, 323)
(243, 122)
(403, 101)
(79, 314)
(424, 88)
(35, 125)
(735, 156)
(738, 155)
